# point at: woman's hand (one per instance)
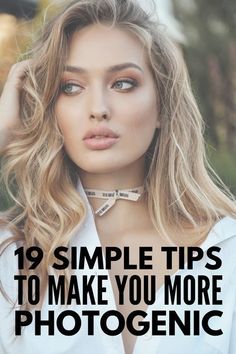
(10, 101)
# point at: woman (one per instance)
(106, 111)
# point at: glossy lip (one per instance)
(100, 131)
(100, 138)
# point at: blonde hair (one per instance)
(41, 178)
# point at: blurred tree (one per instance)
(16, 35)
(19, 8)
(19, 22)
(210, 51)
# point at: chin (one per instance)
(101, 169)
(97, 166)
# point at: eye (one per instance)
(125, 84)
(70, 88)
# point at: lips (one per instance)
(100, 138)
(100, 132)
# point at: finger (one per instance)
(18, 73)
(19, 69)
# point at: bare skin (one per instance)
(131, 113)
(139, 234)
(98, 101)
(94, 100)
(135, 231)
(9, 102)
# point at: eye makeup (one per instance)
(70, 87)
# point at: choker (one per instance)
(112, 196)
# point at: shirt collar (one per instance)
(224, 229)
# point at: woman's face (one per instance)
(107, 109)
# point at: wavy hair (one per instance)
(40, 177)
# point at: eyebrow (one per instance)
(111, 69)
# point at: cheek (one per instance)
(60, 113)
(144, 119)
(67, 120)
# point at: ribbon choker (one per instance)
(129, 194)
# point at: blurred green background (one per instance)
(210, 51)
(209, 47)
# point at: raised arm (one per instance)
(10, 101)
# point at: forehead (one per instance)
(102, 46)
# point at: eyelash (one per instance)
(132, 82)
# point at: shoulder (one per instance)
(8, 261)
(223, 232)
(223, 236)
(226, 227)
(7, 245)
(5, 234)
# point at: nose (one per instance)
(99, 115)
(98, 105)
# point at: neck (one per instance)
(128, 177)
(115, 220)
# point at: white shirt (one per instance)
(223, 234)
